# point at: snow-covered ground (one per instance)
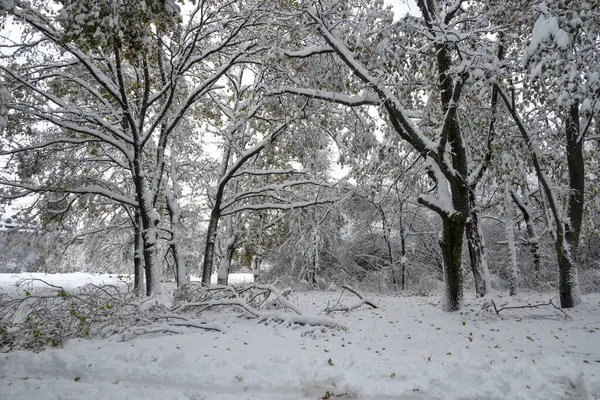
(406, 349)
(73, 280)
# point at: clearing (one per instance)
(406, 349)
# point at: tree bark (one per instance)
(174, 216)
(568, 286)
(258, 254)
(476, 246)
(386, 236)
(533, 239)
(451, 244)
(209, 250)
(227, 250)
(311, 272)
(148, 217)
(402, 249)
(138, 257)
(576, 167)
(225, 266)
(569, 254)
(510, 238)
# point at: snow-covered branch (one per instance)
(280, 206)
(90, 189)
(269, 188)
(339, 98)
(308, 52)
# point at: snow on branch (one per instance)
(280, 206)
(48, 143)
(398, 116)
(260, 172)
(366, 98)
(443, 203)
(251, 300)
(261, 191)
(341, 307)
(44, 314)
(90, 189)
(308, 52)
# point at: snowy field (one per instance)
(406, 349)
(73, 280)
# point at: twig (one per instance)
(363, 300)
(549, 303)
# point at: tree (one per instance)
(386, 58)
(562, 53)
(110, 83)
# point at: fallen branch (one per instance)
(47, 314)
(280, 297)
(251, 312)
(311, 320)
(245, 299)
(549, 303)
(362, 300)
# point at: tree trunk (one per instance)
(576, 166)
(174, 216)
(209, 250)
(152, 266)
(451, 244)
(533, 239)
(475, 253)
(567, 247)
(476, 246)
(402, 249)
(510, 238)
(180, 272)
(225, 266)
(568, 287)
(138, 257)
(311, 273)
(257, 259)
(386, 237)
(149, 218)
(227, 250)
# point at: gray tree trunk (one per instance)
(175, 218)
(138, 257)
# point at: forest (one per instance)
(436, 148)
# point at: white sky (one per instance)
(401, 7)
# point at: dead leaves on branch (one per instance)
(45, 314)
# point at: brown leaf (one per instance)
(586, 361)
(393, 375)
(448, 354)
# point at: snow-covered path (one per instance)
(408, 349)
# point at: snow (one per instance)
(67, 281)
(543, 29)
(407, 349)
(234, 279)
(77, 279)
